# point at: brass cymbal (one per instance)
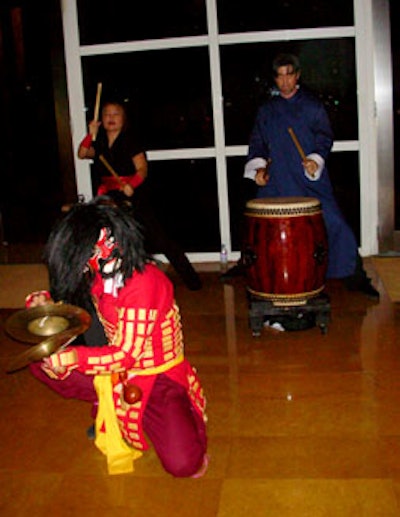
(33, 325)
(38, 352)
(61, 323)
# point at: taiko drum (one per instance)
(285, 249)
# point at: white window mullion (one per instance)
(366, 127)
(75, 94)
(219, 132)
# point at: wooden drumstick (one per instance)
(109, 168)
(298, 147)
(97, 105)
(297, 144)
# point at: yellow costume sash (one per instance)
(120, 456)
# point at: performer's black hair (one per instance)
(285, 60)
(71, 244)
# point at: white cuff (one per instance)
(321, 164)
(252, 165)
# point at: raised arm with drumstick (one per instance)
(85, 148)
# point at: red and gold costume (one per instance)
(144, 330)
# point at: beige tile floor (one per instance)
(300, 423)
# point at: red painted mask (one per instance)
(105, 258)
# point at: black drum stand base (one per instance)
(261, 310)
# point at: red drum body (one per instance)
(285, 249)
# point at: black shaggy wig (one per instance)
(71, 243)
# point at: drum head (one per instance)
(283, 202)
(282, 206)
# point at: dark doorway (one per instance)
(31, 184)
(395, 40)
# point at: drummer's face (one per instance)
(113, 117)
(286, 80)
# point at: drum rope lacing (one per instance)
(283, 211)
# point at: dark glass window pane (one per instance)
(343, 171)
(105, 21)
(255, 15)
(169, 93)
(238, 194)
(395, 41)
(328, 69)
(185, 198)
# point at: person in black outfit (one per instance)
(120, 166)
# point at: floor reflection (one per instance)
(301, 423)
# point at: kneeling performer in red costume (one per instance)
(140, 382)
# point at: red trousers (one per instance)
(176, 430)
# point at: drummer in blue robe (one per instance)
(281, 166)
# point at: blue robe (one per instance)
(270, 139)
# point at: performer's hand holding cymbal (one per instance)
(38, 298)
